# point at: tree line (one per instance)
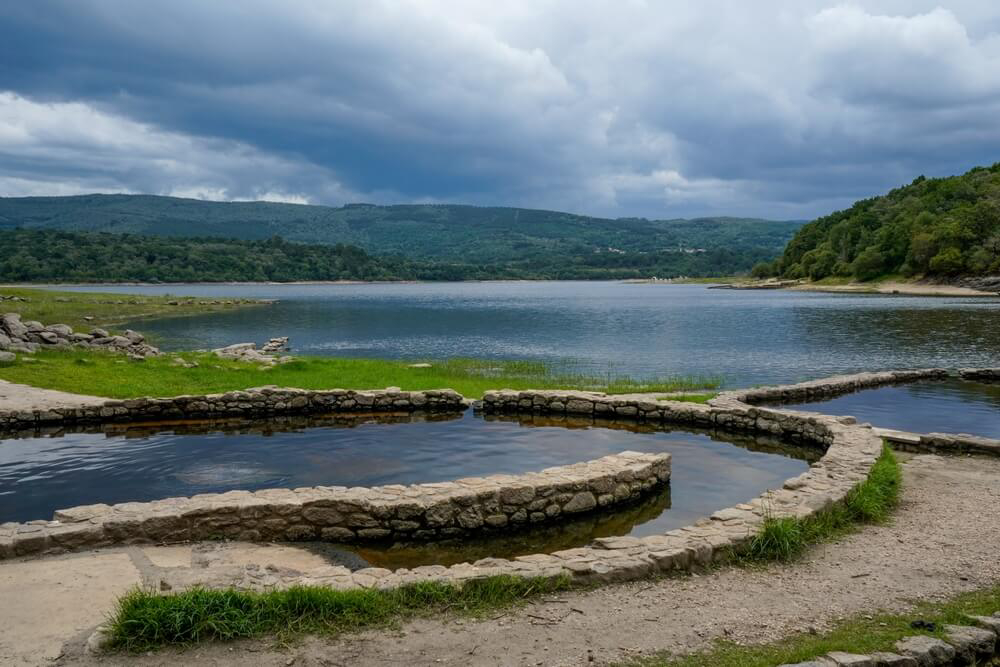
(38, 255)
(934, 227)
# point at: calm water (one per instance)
(748, 337)
(949, 406)
(40, 475)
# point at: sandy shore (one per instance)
(912, 289)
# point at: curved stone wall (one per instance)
(850, 450)
(419, 512)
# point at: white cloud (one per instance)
(73, 148)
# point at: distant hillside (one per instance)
(935, 227)
(524, 239)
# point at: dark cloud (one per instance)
(634, 108)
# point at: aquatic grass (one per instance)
(103, 374)
(860, 634)
(145, 620)
(785, 538)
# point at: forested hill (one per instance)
(449, 233)
(935, 227)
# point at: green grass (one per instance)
(145, 620)
(105, 309)
(101, 374)
(861, 634)
(872, 501)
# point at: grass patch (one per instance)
(872, 501)
(144, 620)
(863, 634)
(102, 374)
(107, 309)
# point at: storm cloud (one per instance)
(658, 109)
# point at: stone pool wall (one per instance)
(980, 374)
(257, 402)
(850, 451)
(825, 388)
(424, 511)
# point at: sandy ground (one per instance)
(911, 289)
(25, 397)
(943, 541)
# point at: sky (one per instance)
(659, 109)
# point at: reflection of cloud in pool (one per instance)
(225, 474)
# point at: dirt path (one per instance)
(943, 541)
(25, 397)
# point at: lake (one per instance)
(746, 337)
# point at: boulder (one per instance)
(34, 326)
(97, 332)
(927, 651)
(134, 336)
(7, 357)
(61, 330)
(4, 341)
(12, 324)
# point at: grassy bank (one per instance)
(100, 374)
(145, 620)
(862, 634)
(105, 309)
(872, 501)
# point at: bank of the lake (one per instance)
(83, 310)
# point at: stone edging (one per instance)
(424, 511)
(259, 401)
(962, 645)
(827, 387)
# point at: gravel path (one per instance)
(943, 541)
(25, 397)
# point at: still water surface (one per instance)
(747, 337)
(40, 475)
(948, 406)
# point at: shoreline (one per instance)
(894, 287)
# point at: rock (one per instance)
(61, 330)
(988, 622)
(34, 326)
(927, 651)
(97, 332)
(7, 357)
(134, 336)
(581, 502)
(12, 324)
(973, 645)
(4, 341)
(881, 659)
(248, 352)
(418, 366)
(842, 659)
(818, 662)
(275, 345)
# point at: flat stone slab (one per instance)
(45, 602)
